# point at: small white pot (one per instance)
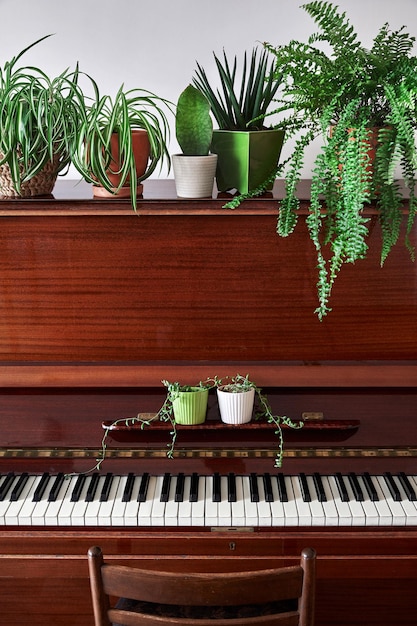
(194, 175)
(236, 408)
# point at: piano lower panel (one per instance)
(364, 575)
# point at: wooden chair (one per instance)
(203, 599)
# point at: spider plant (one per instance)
(240, 105)
(134, 109)
(39, 118)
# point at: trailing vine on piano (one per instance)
(238, 383)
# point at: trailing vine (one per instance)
(165, 414)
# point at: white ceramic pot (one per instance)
(194, 175)
(236, 408)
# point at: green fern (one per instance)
(375, 88)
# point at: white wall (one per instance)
(154, 44)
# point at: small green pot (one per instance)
(245, 158)
(190, 407)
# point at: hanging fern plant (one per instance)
(369, 98)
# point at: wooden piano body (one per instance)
(97, 305)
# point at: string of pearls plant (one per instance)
(235, 384)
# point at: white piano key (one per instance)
(39, 511)
(184, 507)
(329, 507)
(356, 508)
(25, 516)
(291, 515)
(225, 508)
(303, 509)
(277, 508)
(132, 507)
(198, 508)
(118, 513)
(238, 507)
(371, 509)
(171, 507)
(343, 509)
(211, 508)
(91, 515)
(316, 507)
(65, 511)
(251, 510)
(12, 515)
(158, 507)
(106, 508)
(145, 508)
(53, 509)
(396, 509)
(79, 509)
(264, 508)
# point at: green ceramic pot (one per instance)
(190, 407)
(245, 158)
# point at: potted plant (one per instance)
(195, 168)
(368, 97)
(189, 403)
(236, 400)
(195, 397)
(248, 151)
(122, 141)
(39, 123)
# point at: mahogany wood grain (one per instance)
(97, 305)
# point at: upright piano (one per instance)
(98, 305)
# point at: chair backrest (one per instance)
(251, 598)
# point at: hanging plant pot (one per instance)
(190, 407)
(141, 151)
(245, 158)
(236, 407)
(194, 175)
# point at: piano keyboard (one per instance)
(218, 500)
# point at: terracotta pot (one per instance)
(141, 150)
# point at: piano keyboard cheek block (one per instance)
(98, 305)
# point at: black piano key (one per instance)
(143, 487)
(407, 486)
(56, 486)
(127, 491)
(179, 488)
(305, 491)
(253, 487)
(194, 483)
(231, 487)
(318, 485)
(269, 494)
(166, 482)
(105, 491)
(79, 484)
(370, 487)
(282, 488)
(40, 489)
(356, 488)
(6, 484)
(92, 488)
(18, 488)
(217, 493)
(341, 487)
(392, 486)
